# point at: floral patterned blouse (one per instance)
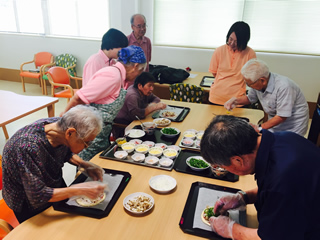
(32, 167)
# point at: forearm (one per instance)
(252, 195)
(60, 194)
(276, 120)
(154, 107)
(243, 233)
(74, 101)
(243, 100)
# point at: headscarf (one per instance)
(132, 54)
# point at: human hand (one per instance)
(162, 105)
(231, 201)
(92, 170)
(230, 104)
(91, 189)
(222, 225)
(256, 127)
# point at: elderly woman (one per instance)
(106, 91)
(226, 63)
(34, 156)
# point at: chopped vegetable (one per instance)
(170, 131)
(198, 163)
(208, 213)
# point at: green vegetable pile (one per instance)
(169, 131)
(198, 163)
(208, 213)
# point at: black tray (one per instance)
(157, 137)
(205, 80)
(181, 116)
(93, 212)
(186, 221)
(181, 166)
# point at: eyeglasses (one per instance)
(86, 144)
(140, 26)
(231, 40)
(251, 84)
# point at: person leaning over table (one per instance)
(279, 96)
(34, 156)
(112, 41)
(138, 38)
(286, 168)
(226, 63)
(106, 92)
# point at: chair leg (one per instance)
(23, 86)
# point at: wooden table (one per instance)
(163, 220)
(162, 90)
(14, 106)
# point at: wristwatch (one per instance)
(245, 196)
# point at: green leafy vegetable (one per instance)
(208, 213)
(170, 131)
(198, 163)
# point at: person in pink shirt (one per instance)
(226, 64)
(105, 91)
(112, 41)
(139, 27)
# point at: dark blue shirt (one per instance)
(288, 178)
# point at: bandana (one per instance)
(132, 54)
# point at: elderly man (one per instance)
(286, 168)
(112, 41)
(279, 96)
(139, 27)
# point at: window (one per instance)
(76, 18)
(288, 26)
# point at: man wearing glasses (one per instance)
(139, 27)
(280, 97)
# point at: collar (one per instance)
(271, 83)
(135, 40)
(104, 56)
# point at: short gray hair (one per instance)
(138, 14)
(255, 69)
(85, 119)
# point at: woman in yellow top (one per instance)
(226, 64)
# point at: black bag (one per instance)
(165, 74)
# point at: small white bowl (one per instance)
(152, 160)
(161, 145)
(149, 127)
(170, 153)
(196, 168)
(187, 142)
(189, 134)
(121, 154)
(149, 143)
(136, 141)
(175, 147)
(142, 148)
(120, 141)
(128, 147)
(165, 162)
(138, 157)
(155, 151)
(200, 134)
(198, 143)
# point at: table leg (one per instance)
(5, 132)
(51, 110)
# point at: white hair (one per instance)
(255, 69)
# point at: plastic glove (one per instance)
(222, 226)
(90, 189)
(234, 201)
(230, 104)
(93, 171)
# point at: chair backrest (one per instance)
(314, 132)
(68, 61)
(42, 58)
(186, 93)
(59, 75)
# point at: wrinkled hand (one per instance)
(231, 201)
(90, 189)
(162, 105)
(230, 104)
(93, 171)
(222, 225)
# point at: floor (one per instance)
(34, 90)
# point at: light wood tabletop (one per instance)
(162, 222)
(15, 106)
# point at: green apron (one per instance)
(108, 112)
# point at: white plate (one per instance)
(132, 197)
(135, 133)
(162, 183)
(165, 122)
(194, 168)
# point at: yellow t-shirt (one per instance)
(227, 65)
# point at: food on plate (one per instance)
(169, 131)
(121, 141)
(88, 202)
(128, 147)
(155, 151)
(170, 153)
(139, 204)
(206, 214)
(198, 163)
(189, 135)
(168, 114)
(162, 121)
(142, 148)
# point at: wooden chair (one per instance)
(8, 220)
(40, 59)
(67, 61)
(314, 132)
(186, 93)
(59, 77)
